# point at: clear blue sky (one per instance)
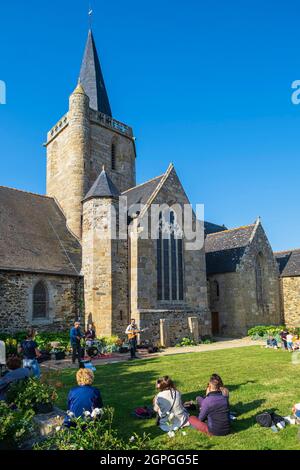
(206, 85)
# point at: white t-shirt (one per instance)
(289, 338)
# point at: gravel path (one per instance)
(221, 343)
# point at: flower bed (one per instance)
(45, 340)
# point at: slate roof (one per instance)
(140, 194)
(224, 250)
(103, 187)
(288, 262)
(213, 228)
(34, 236)
(92, 79)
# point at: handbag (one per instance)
(158, 418)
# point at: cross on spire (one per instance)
(90, 13)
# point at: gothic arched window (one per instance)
(113, 156)
(169, 261)
(259, 277)
(40, 300)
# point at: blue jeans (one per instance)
(34, 366)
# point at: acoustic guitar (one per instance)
(133, 334)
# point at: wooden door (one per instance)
(215, 323)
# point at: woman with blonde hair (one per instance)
(83, 399)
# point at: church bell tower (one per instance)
(84, 140)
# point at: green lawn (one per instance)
(258, 379)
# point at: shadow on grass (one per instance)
(128, 385)
(242, 408)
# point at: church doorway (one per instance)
(215, 323)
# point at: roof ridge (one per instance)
(243, 227)
(142, 184)
(26, 192)
(286, 251)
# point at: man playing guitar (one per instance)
(132, 331)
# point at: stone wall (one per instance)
(237, 303)
(177, 325)
(105, 269)
(290, 289)
(68, 157)
(143, 276)
(16, 301)
(123, 176)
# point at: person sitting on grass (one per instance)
(214, 417)
(296, 412)
(271, 342)
(15, 373)
(224, 390)
(171, 415)
(295, 342)
(83, 399)
(283, 334)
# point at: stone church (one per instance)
(55, 268)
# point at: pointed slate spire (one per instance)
(103, 187)
(92, 79)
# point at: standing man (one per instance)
(31, 353)
(132, 331)
(75, 338)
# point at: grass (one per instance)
(258, 379)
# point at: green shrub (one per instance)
(261, 331)
(93, 435)
(11, 346)
(110, 344)
(207, 340)
(186, 342)
(43, 340)
(29, 393)
(15, 425)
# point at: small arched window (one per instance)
(113, 156)
(40, 300)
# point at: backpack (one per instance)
(145, 412)
(267, 420)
